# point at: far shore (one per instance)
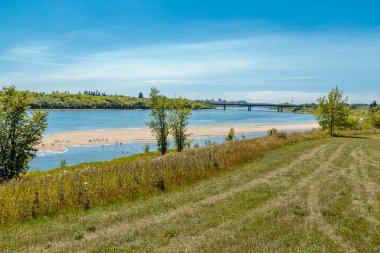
(59, 142)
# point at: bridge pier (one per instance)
(224, 107)
(249, 108)
(280, 109)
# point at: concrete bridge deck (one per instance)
(280, 107)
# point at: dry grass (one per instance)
(314, 196)
(50, 193)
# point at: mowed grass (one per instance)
(320, 195)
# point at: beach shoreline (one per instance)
(60, 141)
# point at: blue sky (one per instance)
(261, 51)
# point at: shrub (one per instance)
(272, 131)
(374, 117)
(146, 148)
(275, 132)
(63, 164)
(231, 135)
(281, 134)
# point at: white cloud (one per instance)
(297, 97)
(309, 62)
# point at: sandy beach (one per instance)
(59, 142)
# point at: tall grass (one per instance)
(50, 193)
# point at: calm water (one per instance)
(62, 121)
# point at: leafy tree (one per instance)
(332, 112)
(141, 95)
(374, 117)
(231, 135)
(20, 132)
(373, 105)
(179, 118)
(159, 125)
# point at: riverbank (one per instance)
(231, 208)
(59, 142)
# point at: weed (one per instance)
(79, 235)
(300, 211)
(170, 232)
(91, 228)
(146, 148)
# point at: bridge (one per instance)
(280, 107)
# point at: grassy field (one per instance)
(320, 195)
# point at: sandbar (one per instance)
(60, 141)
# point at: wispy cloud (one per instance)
(297, 97)
(312, 62)
(161, 81)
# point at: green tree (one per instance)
(332, 112)
(231, 135)
(179, 118)
(20, 132)
(374, 117)
(373, 105)
(159, 124)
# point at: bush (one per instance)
(146, 148)
(231, 135)
(63, 164)
(281, 134)
(275, 132)
(272, 131)
(374, 117)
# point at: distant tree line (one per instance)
(93, 100)
(94, 93)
